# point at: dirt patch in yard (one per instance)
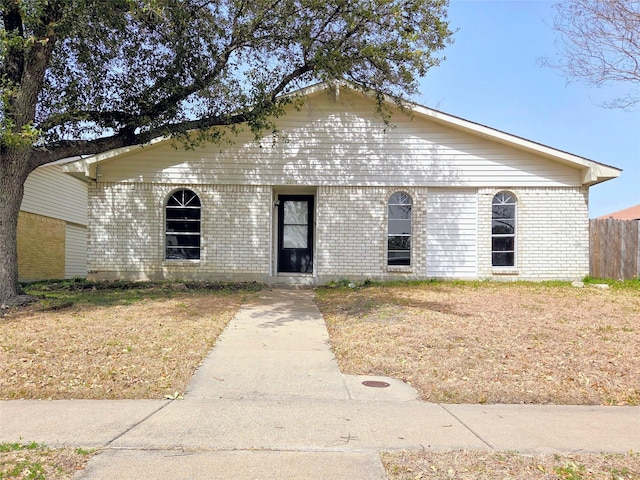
(487, 342)
(141, 347)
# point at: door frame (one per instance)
(293, 194)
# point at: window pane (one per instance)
(399, 212)
(185, 247)
(503, 226)
(399, 258)
(399, 227)
(504, 211)
(295, 236)
(296, 213)
(183, 226)
(399, 243)
(183, 213)
(502, 259)
(184, 198)
(503, 244)
(503, 198)
(400, 198)
(182, 253)
(503, 229)
(183, 240)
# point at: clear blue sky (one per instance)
(492, 76)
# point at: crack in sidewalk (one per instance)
(127, 430)
(477, 435)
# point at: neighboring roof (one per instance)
(592, 172)
(631, 213)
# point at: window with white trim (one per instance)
(182, 226)
(503, 230)
(399, 229)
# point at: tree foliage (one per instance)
(79, 77)
(123, 71)
(600, 43)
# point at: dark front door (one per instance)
(295, 233)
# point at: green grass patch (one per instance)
(61, 294)
(12, 447)
(633, 284)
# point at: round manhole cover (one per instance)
(375, 384)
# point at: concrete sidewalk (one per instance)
(270, 402)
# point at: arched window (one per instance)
(399, 229)
(503, 230)
(182, 237)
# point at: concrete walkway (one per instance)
(270, 403)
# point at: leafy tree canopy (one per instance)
(83, 76)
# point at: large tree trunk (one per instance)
(14, 170)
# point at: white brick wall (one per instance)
(126, 235)
(351, 233)
(552, 234)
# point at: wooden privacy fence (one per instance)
(614, 249)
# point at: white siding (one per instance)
(75, 247)
(452, 225)
(52, 193)
(341, 143)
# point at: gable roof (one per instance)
(592, 172)
(631, 213)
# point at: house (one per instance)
(339, 194)
(631, 213)
(52, 225)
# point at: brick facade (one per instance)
(552, 233)
(41, 247)
(351, 231)
(126, 237)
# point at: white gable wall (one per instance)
(340, 143)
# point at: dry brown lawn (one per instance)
(145, 348)
(491, 466)
(489, 342)
(468, 342)
(31, 461)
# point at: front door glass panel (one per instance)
(295, 233)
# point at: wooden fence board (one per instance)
(614, 249)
